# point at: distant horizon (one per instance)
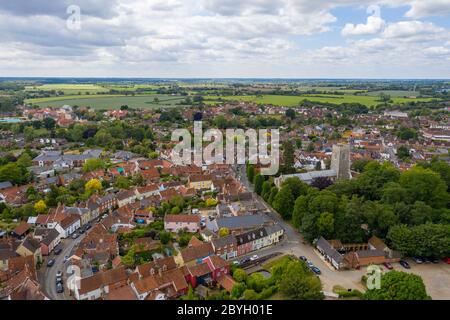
(218, 78)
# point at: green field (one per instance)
(108, 101)
(320, 98)
(69, 88)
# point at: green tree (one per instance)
(284, 202)
(425, 185)
(290, 113)
(299, 284)
(288, 158)
(250, 172)
(238, 290)
(403, 153)
(396, 285)
(93, 164)
(250, 295)
(325, 224)
(259, 180)
(165, 237)
(423, 240)
(240, 275)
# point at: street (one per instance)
(47, 275)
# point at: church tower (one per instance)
(340, 161)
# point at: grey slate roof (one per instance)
(273, 229)
(52, 234)
(251, 236)
(224, 241)
(5, 185)
(370, 253)
(245, 222)
(326, 247)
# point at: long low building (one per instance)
(307, 177)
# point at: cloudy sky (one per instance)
(226, 38)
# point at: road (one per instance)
(47, 276)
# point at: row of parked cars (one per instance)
(311, 265)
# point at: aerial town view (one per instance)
(225, 150)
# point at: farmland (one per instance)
(69, 89)
(109, 101)
(320, 98)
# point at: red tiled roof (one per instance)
(188, 218)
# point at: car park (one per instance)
(404, 264)
(50, 263)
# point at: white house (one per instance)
(68, 226)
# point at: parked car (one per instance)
(66, 258)
(88, 226)
(98, 220)
(59, 280)
(316, 270)
(75, 235)
(82, 231)
(303, 258)
(254, 257)
(59, 274)
(404, 264)
(50, 263)
(417, 260)
(104, 216)
(58, 251)
(236, 263)
(426, 260)
(434, 260)
(388, 266)
(310, 264)
(59, 288)
(243, 261)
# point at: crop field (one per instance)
(69, 88)
(393, 93)
(320, 98)
(109, 101)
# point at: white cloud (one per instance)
(206, 37)
(374, 25)
(424, 8)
